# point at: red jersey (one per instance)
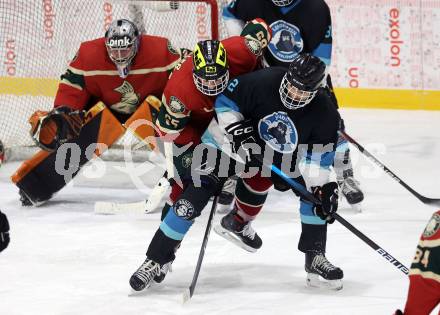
(92, 76)
(188, 111)
(424, 275)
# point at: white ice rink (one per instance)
(64, 259)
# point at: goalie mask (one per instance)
(122, 42)
(306, 74)
(283, 3)
(210, 67)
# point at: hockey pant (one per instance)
(46, 173)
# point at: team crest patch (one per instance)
(254, 46)
(279, 132)
(433, 226)
(176, 106)
(187, 160)
(184, 208)
(286, 41)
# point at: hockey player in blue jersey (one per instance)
(279, 113)
(298, 26)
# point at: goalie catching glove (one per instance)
(328, 194)
(50, 130)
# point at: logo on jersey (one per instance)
(433, 226)
(176, 106)
(184, 209)
(279, 132)
(129, 99)
(254, 46)
(286, 41)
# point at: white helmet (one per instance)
(122, 41)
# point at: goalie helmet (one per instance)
(306, 74)
(210, 67)
(283, 3)
(122, 42)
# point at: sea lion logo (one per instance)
(129, 99)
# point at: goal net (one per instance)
(39, 38)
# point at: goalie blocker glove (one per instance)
(50, 130)
(328, 194)
(4, 231)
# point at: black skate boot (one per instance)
(233, 228)
(226, 197)
(350, 189)
(146, 273)
(317, 266)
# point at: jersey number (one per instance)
(422, 256)
(232, 85)
(171, 122)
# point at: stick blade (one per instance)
(186, 296)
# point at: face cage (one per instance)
(211, 87)
(282, 3)
(294, 98)
(122, 55)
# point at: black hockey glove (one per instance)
(241, 134)
(4, 231)
(328, 194)
(49, 130)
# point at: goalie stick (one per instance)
(188, 293)
(151, 205)
(425, 200)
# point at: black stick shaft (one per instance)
(425, 200)
(310, 197)
(371, 243)
(203, 248)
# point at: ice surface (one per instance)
(64, 259)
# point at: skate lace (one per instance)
(248, 231)
(148, 270)
(322, 262)
(350, 185)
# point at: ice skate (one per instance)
(321, 273)
(148, 272)
(351, 191)
(226, 197)
(238, 232)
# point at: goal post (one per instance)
(39, 38)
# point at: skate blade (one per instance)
(232, 238)
(316, 281)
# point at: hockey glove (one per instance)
(240, 134)
(328, 194)
(50, 130)
(4, 231)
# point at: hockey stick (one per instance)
(190, 291)
(425, 200)
(151, 205)
(311, 198)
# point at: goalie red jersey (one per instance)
(92, 76)
(424, 275)
(187, 111)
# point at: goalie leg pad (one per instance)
(38, 177)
